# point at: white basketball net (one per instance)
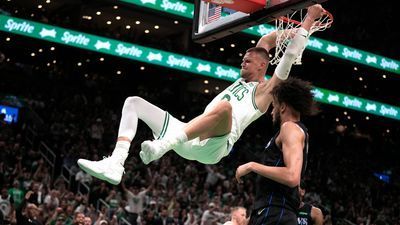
(286, 29)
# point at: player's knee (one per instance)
(133, 100)
(224, 108)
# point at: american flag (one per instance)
(214, 13)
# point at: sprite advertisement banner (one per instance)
(185, 9)
(171, 60)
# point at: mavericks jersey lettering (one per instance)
(304, 215)
(241, 96)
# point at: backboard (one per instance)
(214, 19)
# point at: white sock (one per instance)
(179, 138)
(121, 151)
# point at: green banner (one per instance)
(117, 48)
(185, 9)
(179, 8)
(356, 103)
(171, 60)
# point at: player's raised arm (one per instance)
(293, 50)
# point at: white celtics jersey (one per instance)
(241, 95)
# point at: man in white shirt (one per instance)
(238, 217)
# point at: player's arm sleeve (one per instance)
(293, 50)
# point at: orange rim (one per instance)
(328, 24)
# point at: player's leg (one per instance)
(216, 122)
(111, 168)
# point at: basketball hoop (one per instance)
(286, 27)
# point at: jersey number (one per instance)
(227, 97)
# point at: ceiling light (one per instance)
(118, 72)
(54, 61)
(52, 48)
(48, 1)
(137, 22)
(32, 54)
(40, 50)
(253, 41)
(360, 78)
(348, 117)
(365, 86)
(115, 7)
(206, 91)
(176, 22)
(16, 11)
(322, 60)
(367, 117)
(87, 60)
(387, 131)
(39, 6)
(345, 113)
(384, 76)
(102, 59)
(221, 49)
(232, 45)
(87, 17)
(240, 54)
(108, 22)
(337, 119)
(217, 88)
(156, 27)
(128, 27)
(8, 59)
(183, 117)
(117, 17)
(142, 68)
(32, 15)
(98, 13)
(48, 64)
(8, 39)
(203, 45)
(86, 75)
(147, 31)
(79, 64)
(206, 81)
(355, 68)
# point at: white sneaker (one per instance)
(152, 150)
(107, 169)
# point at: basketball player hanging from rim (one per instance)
(210, 136)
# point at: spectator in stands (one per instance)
(27, 213)
(164, 218)
(6, 203)
(83, 177)
(99, 192)
(60, 220)
(79, 219)
(87, 220)
(16, 193)
(136, 199)
(210, 215)
(238, 216)
(51, 200)
(192, 218)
